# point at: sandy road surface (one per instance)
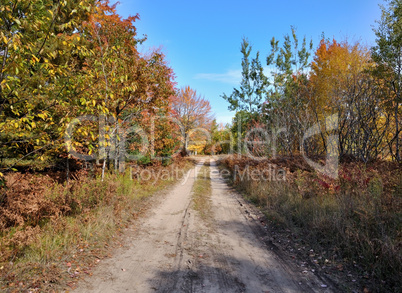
(176, 251)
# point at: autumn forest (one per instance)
(83, 113)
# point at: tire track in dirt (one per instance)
(177, 251)
(168, 282)
(154, 247)
(256, 264)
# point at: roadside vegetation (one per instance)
(52, 232)
(349, 227)
(72, 86)
(330, 117)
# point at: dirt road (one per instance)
(176, 251)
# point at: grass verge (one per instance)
(202, 192)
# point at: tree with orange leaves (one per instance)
(335, 66)
(342, 85)
(124, 83)
(192, 112)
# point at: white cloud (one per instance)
(232, 77)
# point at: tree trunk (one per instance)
(116, 146)
(397, 151)
(122, 151)
(104, 167)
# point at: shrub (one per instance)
(356, 218)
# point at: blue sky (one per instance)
(201, 39)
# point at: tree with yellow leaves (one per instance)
(342, 84)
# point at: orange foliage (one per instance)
(192, 111)
(335, 66)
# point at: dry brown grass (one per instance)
(52, 233)
(354, 221)
(202, 192)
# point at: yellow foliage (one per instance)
(335, 67)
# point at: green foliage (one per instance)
(302, 92)
(39, 56)
(253, 86)
(290, 63)
(240, 124)
(389, 40)
(387, 55)
(278, 101)
(63, 59)
(144, 160)
(221, 139)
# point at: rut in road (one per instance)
(177, 251)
